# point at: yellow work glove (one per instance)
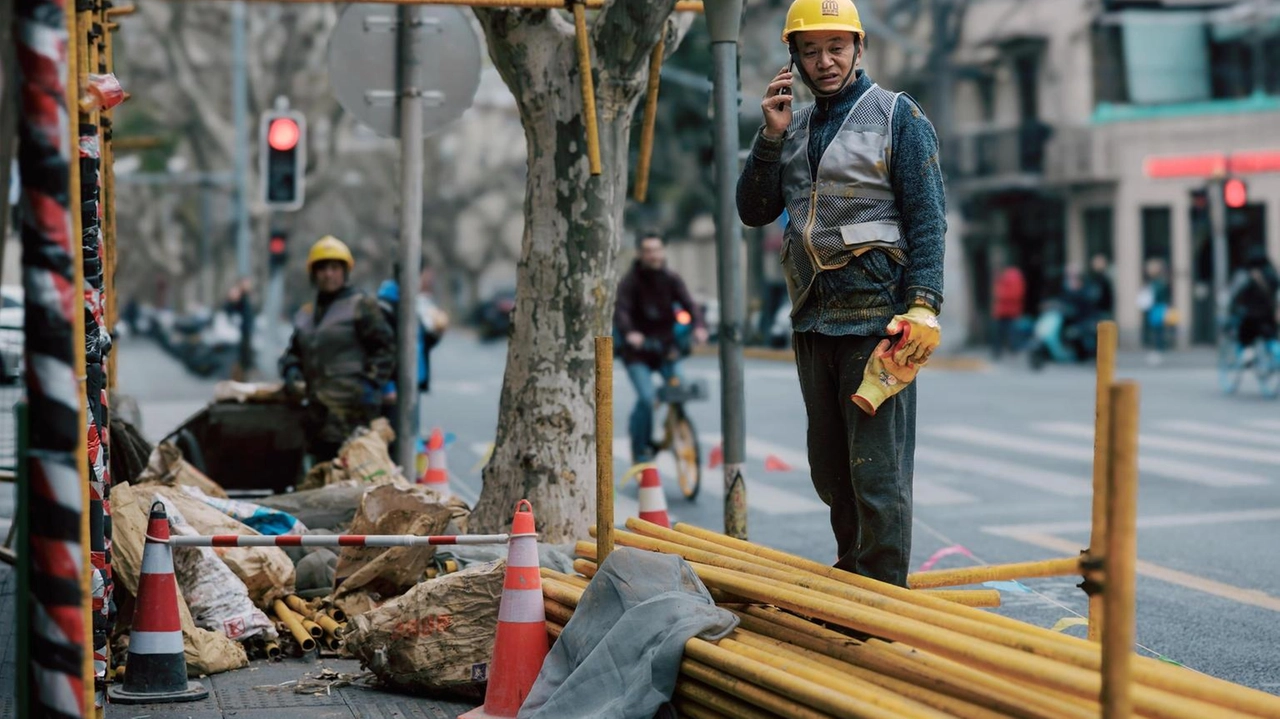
(920, 335)
(882, 378)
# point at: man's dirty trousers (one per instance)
(862, 466)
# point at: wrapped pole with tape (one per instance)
(51, 681)
(335, 540)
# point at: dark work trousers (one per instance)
(861, 466)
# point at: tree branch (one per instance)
(522, 40)
(626, 31)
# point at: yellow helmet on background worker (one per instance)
(806, 15)
(330, 248)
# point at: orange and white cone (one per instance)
(653, 501)
(521, 642)
(437, 474)
(156, 671)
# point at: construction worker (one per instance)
(341, 354)
(857, 172)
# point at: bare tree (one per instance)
(573, 220)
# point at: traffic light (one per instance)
(278, 251)
(1234, 193)
(283, 159)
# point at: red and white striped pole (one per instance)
(334, 540)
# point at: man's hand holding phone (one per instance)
(777, 105)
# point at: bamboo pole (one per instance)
(1106, 373)
(694, 710)
(272, 649)
(108, 175)
(916, 667)
(76, 57)
(1066, 566)
(706, 697)
(1147, 670)
(948, 705)
(681, 5)
(650, 120)
(604, 445)
(746, 691)
(967, 597)
(312, 628)
(588, 86)
(1121, 553)
(294, 624)
(299, 606)
(330, 627)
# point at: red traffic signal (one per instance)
(283, 134)
(276, 246)
(1234, 193)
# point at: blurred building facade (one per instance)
(1059, 106)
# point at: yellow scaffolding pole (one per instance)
(650, 120)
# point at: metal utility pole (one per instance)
(240, 119)
(1218, 228)
(410, 79)
(724, 19)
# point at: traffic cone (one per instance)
(716, 458)
(437, 474)
(521, 642)
(774, 463)
(653, 501)
(156, 672)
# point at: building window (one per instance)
(1157, 232)
(1097, 233)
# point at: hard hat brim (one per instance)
(844, 27)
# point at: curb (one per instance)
(953, 363)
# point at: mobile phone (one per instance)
(787, 90)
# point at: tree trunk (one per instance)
(545, 446)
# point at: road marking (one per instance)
(758, 449)
(1157, 522)
(1204, 429)
(1251, 597)
(1173, 444)
(1147, 464)
(1268, 424)
(1045, 480)
(933, 494)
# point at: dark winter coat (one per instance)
(646, 304)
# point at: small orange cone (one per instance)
(437, 474)
(716, 458)
(521, 642)
(774, 463)
(653, 501)
(156, 671)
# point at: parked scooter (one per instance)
(1057, 338)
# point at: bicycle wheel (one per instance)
(1229, 367)
(1267, 365)
(684, 445)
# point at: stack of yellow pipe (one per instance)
(912, 654)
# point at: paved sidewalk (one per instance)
(258, 691)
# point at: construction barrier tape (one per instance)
(1010, 586)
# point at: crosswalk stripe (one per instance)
(759, 449)
(1204, 429)
(1045, 480)
(1147, 464)
(1174, 444)
(1268, 424)
(934, 494)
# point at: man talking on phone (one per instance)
(857, 172)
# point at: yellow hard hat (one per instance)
(330, 248)
(807, 15)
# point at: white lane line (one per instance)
(1147, 463)
(932, 494)
(1174, 444)
(1267, 424)
(1045, 480)
(1205, 429)
(767, 498)
(1194, 519)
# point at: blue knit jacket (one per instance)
(917, 186)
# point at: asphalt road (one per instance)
(1003, 471)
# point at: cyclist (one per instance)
(1254, 297)
(650, 297)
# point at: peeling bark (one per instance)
(545, 446)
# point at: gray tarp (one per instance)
(620, 653)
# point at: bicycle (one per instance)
(1234, 360)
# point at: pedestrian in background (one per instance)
(858, 173)
(1099, 289)
(1153, 300)
(431, 325)
(1009, 297)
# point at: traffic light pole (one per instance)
(410, 237)
(240, 119)
(1218, 226)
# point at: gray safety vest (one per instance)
(850, 208)
(333, 357)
